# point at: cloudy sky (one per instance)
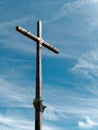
(70, 79)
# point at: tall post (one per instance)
(38, 113)
(39, 107)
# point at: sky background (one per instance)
(70, 79)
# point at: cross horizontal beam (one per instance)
(37, 39)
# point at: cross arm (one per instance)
(37, 39)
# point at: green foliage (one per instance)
(39, 105)
(37, 102)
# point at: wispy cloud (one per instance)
(54, 113)
(23, 124)
(79, 16)
(88, 123)
(94, 1)
(85, 8)
(70, 104)
(87, 64)
(71, 7)
(13, 95)
(12, 39)
(16, 123)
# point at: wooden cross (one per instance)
(39, 107)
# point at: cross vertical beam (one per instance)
(38, 113)
(39, 107)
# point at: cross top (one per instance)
(37, 38)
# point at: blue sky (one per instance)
(70, 79)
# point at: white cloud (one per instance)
(13, 95)
(16, 123)
(84, 17)
(50, 114)
(4, 25)
(9, 34)
(53, 113)
(71, 7)
(89, 7)
(94, 1)
(87, 124)
(49, 128)
(23, 124)
(87, 64)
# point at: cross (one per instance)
(39, 107)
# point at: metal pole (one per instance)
(38, 113)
